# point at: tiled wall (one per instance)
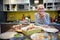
(11, 16)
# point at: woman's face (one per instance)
(40, 9)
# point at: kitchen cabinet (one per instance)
(6, 1)
(22, 1)
(22, 7)
(9, 1)
(51, 5)
(17, 5)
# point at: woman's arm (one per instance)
(47, 19)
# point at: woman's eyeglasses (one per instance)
(40, 8)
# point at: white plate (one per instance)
(50, 29)
(7, 35)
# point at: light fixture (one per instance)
(36, 1)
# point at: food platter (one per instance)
(45, 28)
(40, 36)
(53, 30)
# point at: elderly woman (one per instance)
(41, 17)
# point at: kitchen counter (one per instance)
(9, 23)
(31, 22)
(6, 26)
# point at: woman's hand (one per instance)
(42, 15)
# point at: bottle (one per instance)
(52, 19)
(23, 17)
(29, 17)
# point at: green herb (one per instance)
(18, 35)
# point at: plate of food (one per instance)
(31, 29)
(49, 29)
(34, 30)
(40, 36)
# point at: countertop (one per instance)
(9, 23)
(56, 25)
(31, 22)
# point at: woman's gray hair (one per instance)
(40, 6)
